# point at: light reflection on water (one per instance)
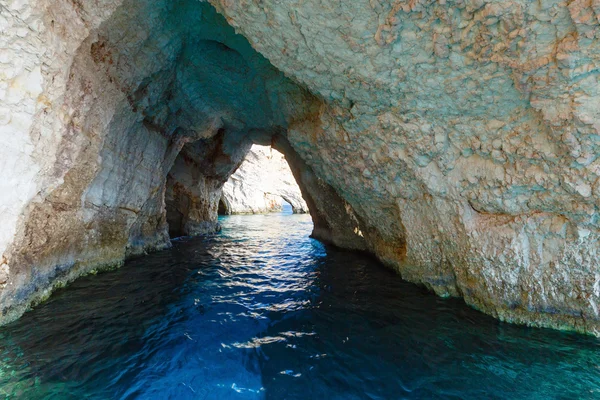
(262, 311)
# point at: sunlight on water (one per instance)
(263, 312)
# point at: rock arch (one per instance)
(160, 105)
(457, 141)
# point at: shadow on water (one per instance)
(262, 311)
(370, 335)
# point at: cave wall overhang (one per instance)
(463, 133)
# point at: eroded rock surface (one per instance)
(465, 130)
(261, 184)
(118, 119)
(455, 140)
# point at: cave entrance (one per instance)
(230, 174)
(263, 183)
(223, 207)
(203, 184)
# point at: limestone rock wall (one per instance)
(457, 140)
(260, 184)
(195, 183)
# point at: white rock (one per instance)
(261, 184)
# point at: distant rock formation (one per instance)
(261, 184)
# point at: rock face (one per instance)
(121, 122)
(455, 140)
(463, 133)
(260, 185)
(193, 186)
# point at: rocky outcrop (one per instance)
(455, 140)
(261, 184)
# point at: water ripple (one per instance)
(263, 312)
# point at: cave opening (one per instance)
(262, 184)
(223, 209)
(161, 103)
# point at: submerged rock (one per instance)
(261, 184)
(455, 140)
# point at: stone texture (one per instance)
(464, 129)
(456, 140)
(103, 107)
(261, 184)
(195, 183)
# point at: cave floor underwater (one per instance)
(263, 311)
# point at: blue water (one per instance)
(263, 312)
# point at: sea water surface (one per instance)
(261, 311)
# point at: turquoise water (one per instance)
(263, 312)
